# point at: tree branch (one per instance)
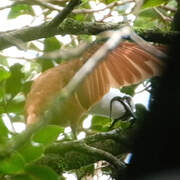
(43, 31)
(103, 155)
(70, 26)
(47, 27)
(65, 12)
(61, 154)
(5, 7)
(157, 36)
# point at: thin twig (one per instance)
(168, 8)
(81, 11)
(103, 154)
(67, 53)
(48, 5)
(136, 9)
(146, 46)
(18, 58)
(63, 14)
(144, 89)
(109, 6)
(15, 41)
(5, 7)
(164, 18)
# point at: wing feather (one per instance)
(127, 64)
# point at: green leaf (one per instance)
(3, 61)
(26, 87)
(31, 152)
(51, 44)
(100, 123)
(129, 89)
(2, 90)
(15, 106)
(41, 172)
(148, 19)
(82, 17)
(33, 46)
(2, 109)
(85, 5)
(22, 177)
(153, 3)
(20, 9)
(3, 132)
(13, 164)
(14, 83)
(47, 134)
(45, 63)
(4, 74)
(107, 1)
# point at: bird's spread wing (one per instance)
(127, 64)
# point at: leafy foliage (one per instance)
(150, 3)
(100, 124)
(16, 80)
(12, 164)
(53, 132)
(20, 9)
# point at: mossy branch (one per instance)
(70, 26)
(65, 156)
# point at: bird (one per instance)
(125, 65)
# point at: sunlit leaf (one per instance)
(148, 19)
(3, 61)
(20, 9)
(31, 152)
(23, 177)
(4, 74)
(45, 63)
(100, 123)
(26, 87)
(3, 132)
(14, 83)
(51, 44)
(41, 172)
(153, 3)
(13, 164)
(15, 106)
(129, 89)
(47, 134)
(107, 1)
